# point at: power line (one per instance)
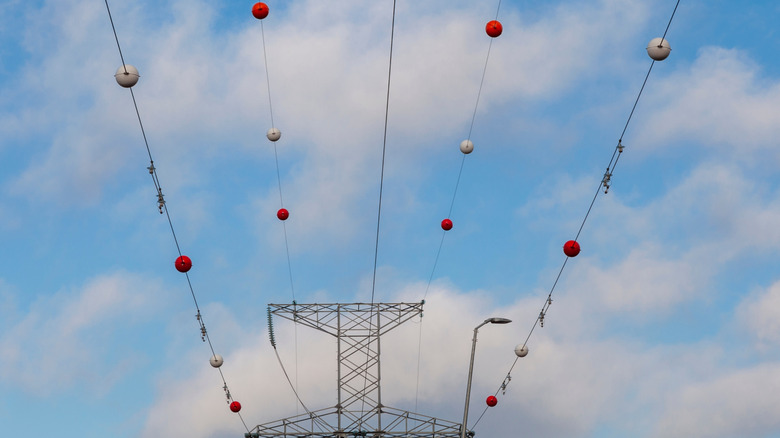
(379, 206)
(466, 147)
(605, 183)
(163, 208)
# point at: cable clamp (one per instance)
(202, 326)
(606, 180)
(160, 200)
(505, 383)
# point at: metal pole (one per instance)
(378, 372)
(468, 382)
(338, 366)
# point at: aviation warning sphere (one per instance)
(466, 146)
(491, 401)
(282, 214)
(571, 248)
(235, 406)
(216, 361)
(659, 50)
(183, 263)
(260, 10)
(446, 225)
(274, 134)
(521, 350)
(127, 78)
(494, 28)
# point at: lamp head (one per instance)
(498, 320)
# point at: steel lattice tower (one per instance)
(359, 411)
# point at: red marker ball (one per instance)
(183, 264)
(260, 10)
(494, 28)
(282, 214)
(446, 225)
(235, 406)
(571, 248)
(491, 401)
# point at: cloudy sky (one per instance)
(666, 325)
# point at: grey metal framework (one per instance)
(359, 411)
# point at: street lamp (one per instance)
(471, 369)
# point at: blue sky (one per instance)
(667, 324)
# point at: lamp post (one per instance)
(471, 369)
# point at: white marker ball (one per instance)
(659, 50)
(274, 134)
(521, 350)
(216, 361)
(127, 76)
(466, 146)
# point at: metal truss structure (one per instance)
(359, 411)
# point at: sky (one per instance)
(665, 325)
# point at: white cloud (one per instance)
(569, 384)
(760, 314)
(201, 93)
(721, 101)
(64, 338)
(738, 403)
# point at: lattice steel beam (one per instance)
(359, 411)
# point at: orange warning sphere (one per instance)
(260, 10)
(494, 28)
(491, 401)
(282, 214)
(446, 225)
(183, 264)
(571, 248)
(235, 406)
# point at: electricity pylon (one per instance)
(359, 411)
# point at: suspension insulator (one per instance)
(571, 248)
(260, 10)
(183, 264)
(494, 28)
(446, 225)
